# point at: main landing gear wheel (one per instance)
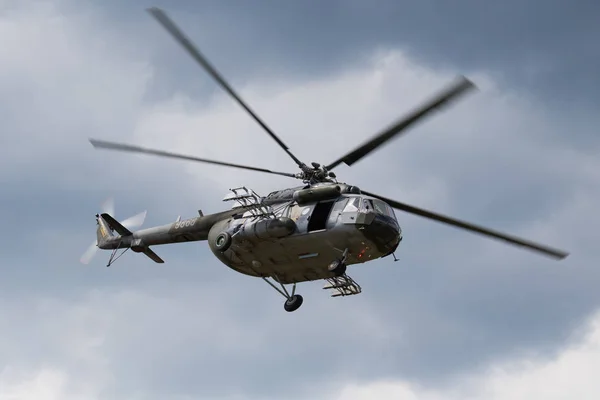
(293, 303)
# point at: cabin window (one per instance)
(340, 204)
(296, 211)
(337, 209)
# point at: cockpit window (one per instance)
(366, 205)
(391, 211)
(380, 207)
(353, 205)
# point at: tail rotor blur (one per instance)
(108, 207)
(135, 221)
(89, 253)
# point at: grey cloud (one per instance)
(547, 48)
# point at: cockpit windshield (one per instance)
(362, 204)
(380, 207)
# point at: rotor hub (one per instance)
(315, 174)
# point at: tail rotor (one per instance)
(108, 207)
(89, 253)
(135, 221)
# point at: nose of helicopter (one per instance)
(385, 233)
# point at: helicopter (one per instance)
(308, 232)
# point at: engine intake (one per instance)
(315, 194)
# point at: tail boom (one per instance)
(190, 230)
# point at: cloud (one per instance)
(568, 375)
(47, 384)
(553, 56)
(455, 303)
(58, 84)
(182, 343)
(100, 341)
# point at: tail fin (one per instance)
(123, 231)
(115, 225)
(103, 232)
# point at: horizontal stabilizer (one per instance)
(153, 256)
(116, 225)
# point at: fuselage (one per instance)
(301, 231)
(300, 242)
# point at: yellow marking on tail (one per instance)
(103, 231)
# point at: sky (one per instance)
(457, 317)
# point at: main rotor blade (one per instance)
(555, 253)
(174, 30)
(101, 144)
(444, 98)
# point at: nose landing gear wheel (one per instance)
(337, 267)
(293, 303)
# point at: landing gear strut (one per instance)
(114, 256)
(293, 301)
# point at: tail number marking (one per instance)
(185, 224)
